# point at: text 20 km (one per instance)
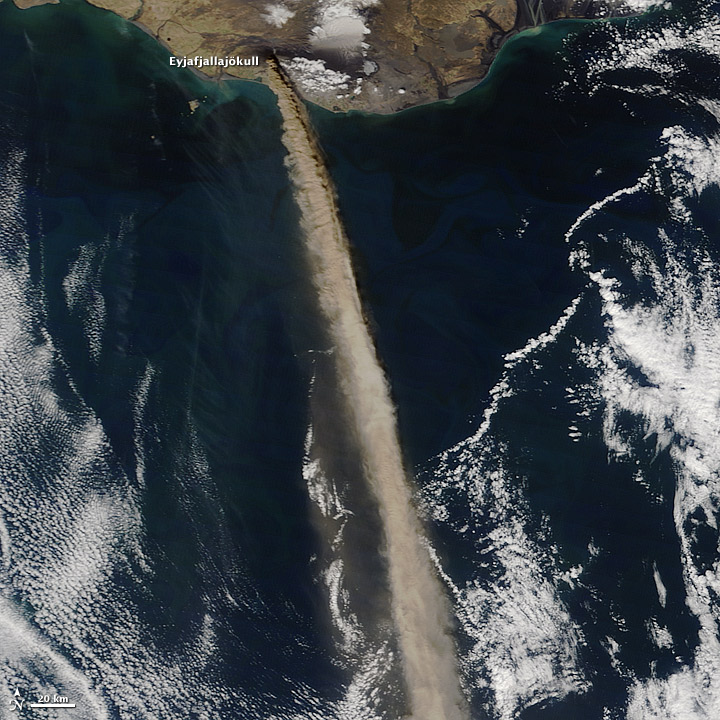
(52, 699)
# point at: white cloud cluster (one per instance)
(277, 14)
(314, 76)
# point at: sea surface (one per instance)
(180, 534)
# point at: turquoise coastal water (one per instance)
(538, 261)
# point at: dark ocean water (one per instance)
(539, 259)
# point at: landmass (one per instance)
(371, 55)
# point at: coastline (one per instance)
(333, 80)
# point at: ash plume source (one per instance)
(420, 610)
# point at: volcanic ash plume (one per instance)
(419, 606)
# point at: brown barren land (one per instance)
(407, 52)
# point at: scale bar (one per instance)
(51, 705)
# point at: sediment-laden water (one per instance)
(185, 526)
